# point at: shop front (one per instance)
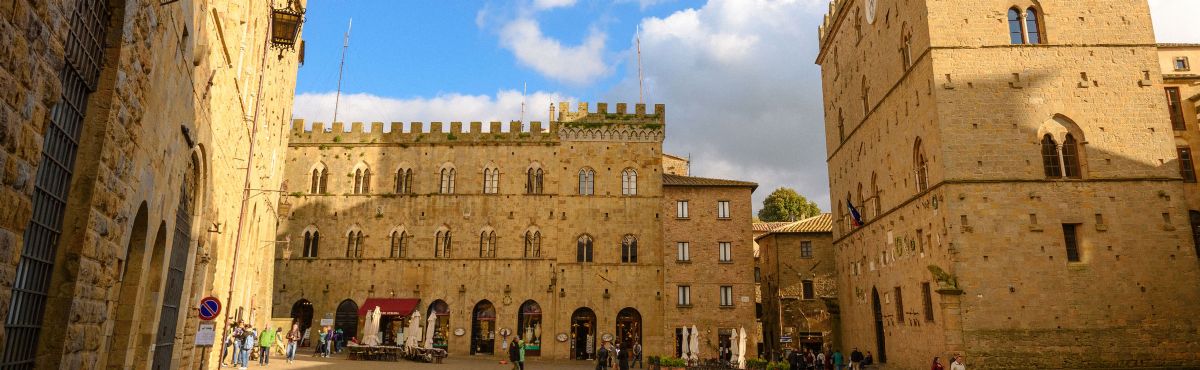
(394, 314)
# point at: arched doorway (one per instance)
(1194, 220)
(347, 319)
(483, 328)
(148, 300)
(130, 269)
(440, 309)
(529, 327)
(629, 326)
(302, 315)
(583, 333)
(880, 344)
(176, 267)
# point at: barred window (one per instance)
(806, 249)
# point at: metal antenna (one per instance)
(345, 45)
(524, 90)
(641, 97)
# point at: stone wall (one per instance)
(786, 311)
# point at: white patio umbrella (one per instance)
(742, 349)
(371, 328)
(695, 347)
(412, 336)
(733, 346)
(684, 352)
(430, 327)
(376, 334)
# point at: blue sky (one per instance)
(742, 93)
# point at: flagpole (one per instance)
(641, 97)
(341, 67)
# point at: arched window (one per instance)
(366, 184)
(487, 244)
(312, 241)
(922, 166)
(404, 181)
(629, 252)
(583, 249)
(442, 243)
(491, 180)
(906, 46)
(1070, 157)
(354, 244)
(533, 180)
(629, 182)
(861, 203)
(399, 244)
(587, 181)
(533, 244)
(1050, 163)
(1015, 35)
(316, 182)
(1032, 28)
(358, 181)
(875, 201)
(446, 185)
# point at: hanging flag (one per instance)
(855, 217)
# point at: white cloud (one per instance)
(1175, 20)
(577, 65)
(550, 4)
(742, 93)
(504, 106)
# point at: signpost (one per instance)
(206, 334)
(210, 307)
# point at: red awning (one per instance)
(389, 306)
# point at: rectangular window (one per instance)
(806, 249)
(726, 296)
(808, 289)
(899, 305)
(927, 301)
(1175, 106)
(725, 251)
(1071, 242)
(681, 209)
(1181, 64)
(685, 295)
(723, 209)
(1186, 169)
(683, 252)
(757, 275)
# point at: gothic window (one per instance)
(533, 181)
(354, 244)
(491, 180)
(906, 46)
(312, 240)
(320, 177)
(629, 252)
(487, 244)
(362, 181)
(358, 180)
(1070, 158)
(922, 167)
(1050, 162)
(587, 181)
(446, 183)
(404, 181)
(1032, 29)
(583, 249)
(875, 202)
(533, 244)
(629, 182)
(441, 244)
(1015, 35)
(398, 244)
(861, 204)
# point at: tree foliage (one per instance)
(784, 204)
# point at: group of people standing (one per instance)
(245, 341)
(621, 356)
(330, 341)
(805, 359)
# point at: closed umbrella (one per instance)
(695, 347)
(370, 328)
(430, 327)
(733, 346)
(742, 349)
(412, 336)
(376, 335)
(684, 343)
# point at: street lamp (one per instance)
(285, 25)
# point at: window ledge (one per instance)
(725, 262)
(684, 261)
(683, 306)
(729, 307)
(682, 218)
(724, 218)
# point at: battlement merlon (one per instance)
(829, 24)
(453, 132)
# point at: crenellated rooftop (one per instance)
(579, 124)
(835, 9)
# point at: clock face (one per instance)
(870, 10)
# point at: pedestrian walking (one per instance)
(248, 345)
(293, 337)
(624, 356)
(280, 342)
(856, 359)
(957, 364)
(937, 364)
(602, 357)
(822, 361)
(322, 338)
(330, 342)
(514, 355)
(521, 352)
(637, 354)
(265, 342)
(838, 360)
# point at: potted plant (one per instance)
(673, 363)
(756, 363)
(652, 361)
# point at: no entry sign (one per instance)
(210, 307)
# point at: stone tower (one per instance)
(1014, 167)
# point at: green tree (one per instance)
(784, 204)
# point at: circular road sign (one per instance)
(210, 307)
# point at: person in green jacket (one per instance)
(521, 350)
(265, 341)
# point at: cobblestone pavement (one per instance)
(307, 361)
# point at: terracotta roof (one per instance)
(768, 226)
(1177, 45)
(822, 223)
(676, 180)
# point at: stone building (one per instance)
(122, 208)
(1181, 86)
(553, 233)
(799, 285)
(1014, 166)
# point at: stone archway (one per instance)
(880, 341)
(583, 334)
(130, 268)
(483, 328)
(529, 327)
(346, 319)
(629, 327)
(302, 315)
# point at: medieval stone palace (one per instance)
(566, 235)
(1021, 175)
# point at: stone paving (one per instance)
(307, 361)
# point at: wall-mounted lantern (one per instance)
(285, 25)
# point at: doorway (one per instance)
(483, 329)
(440, 309)
(347, 320)
(302, 315)
(880, 342)
(529, 327)
(629, 327)
(583, 341)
